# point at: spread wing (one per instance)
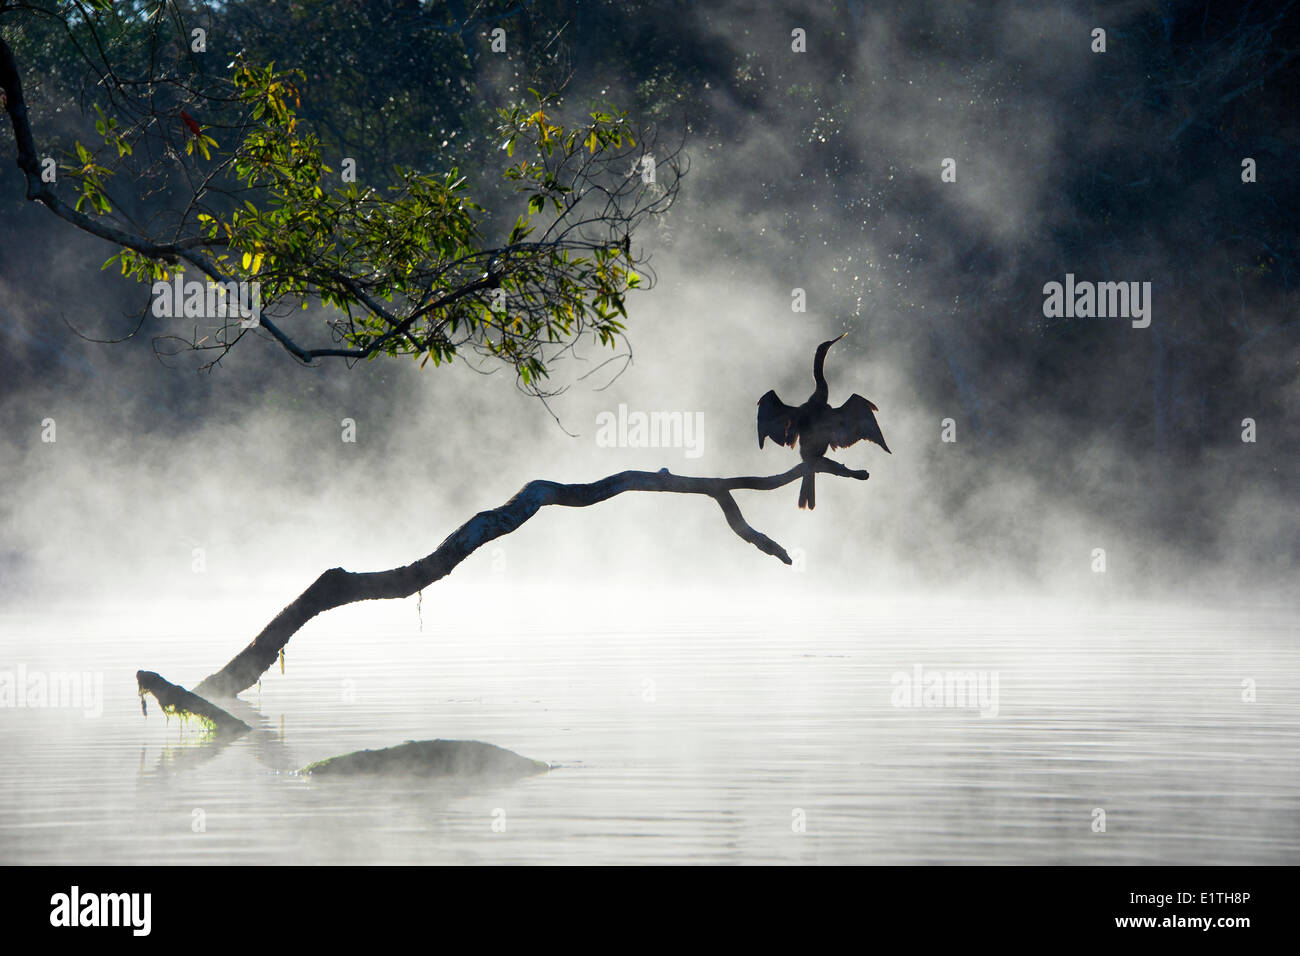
(775, 420)
(852, 421)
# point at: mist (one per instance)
(247, 463)
(1046, 472)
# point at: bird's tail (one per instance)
(808, 491)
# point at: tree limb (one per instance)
(174, 699)
(364, 249)
(336, 586)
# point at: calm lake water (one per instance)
(707, 740)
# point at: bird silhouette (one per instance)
(816, 425)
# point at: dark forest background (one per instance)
(823, 166)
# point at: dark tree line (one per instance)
(1145, 184)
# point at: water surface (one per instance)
(706, 738)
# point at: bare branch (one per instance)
(337, 586)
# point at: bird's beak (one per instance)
(841, 335)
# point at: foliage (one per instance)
(406, 261)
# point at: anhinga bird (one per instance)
(815, 425)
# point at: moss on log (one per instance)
(175, 699)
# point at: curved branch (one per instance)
(337, 587)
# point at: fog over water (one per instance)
(693, 694)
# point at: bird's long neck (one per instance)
(819, 375)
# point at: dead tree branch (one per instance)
(337, 586)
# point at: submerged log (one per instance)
(174, 699)
(460, 759)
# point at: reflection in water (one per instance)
(727, 741)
